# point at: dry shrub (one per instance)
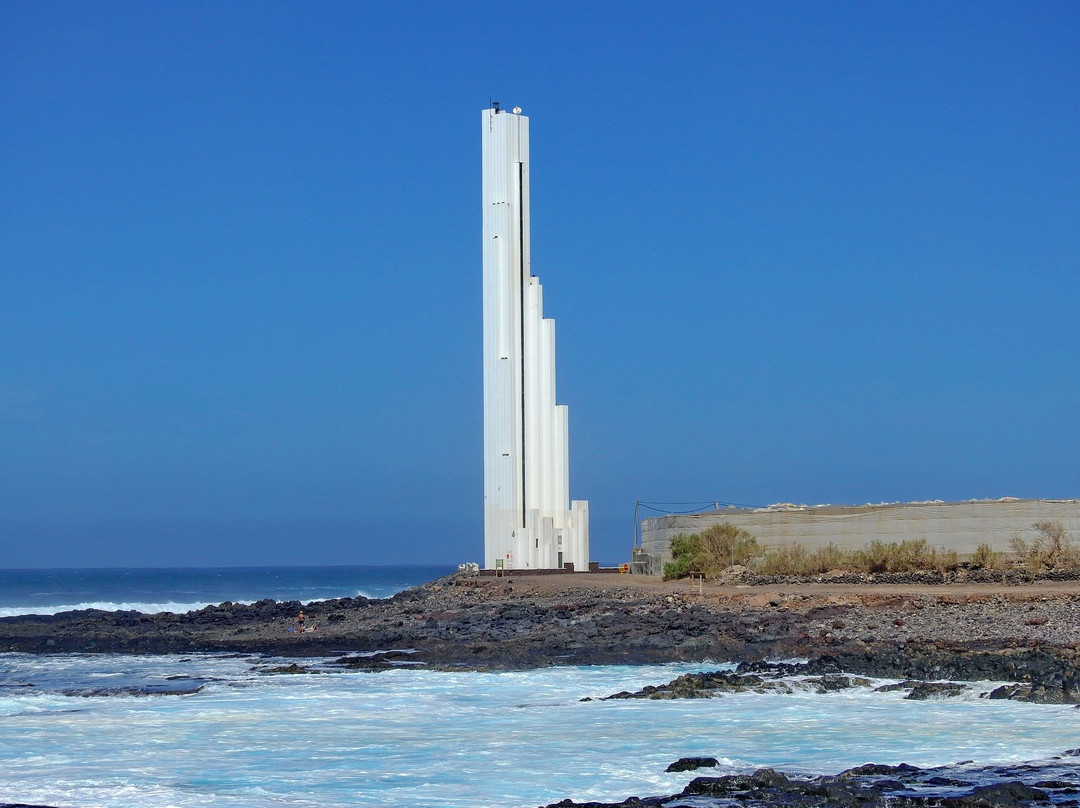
(873, 558)
(795, 559)
(910, 555)
(987, 558)
(828, 558)
(1051, 549)
(784, 560)
(725, 545)
(944, 561)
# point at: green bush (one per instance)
(710, 552)
(685, 551)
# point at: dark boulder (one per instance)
(935, 690)
(999, 795)
(880, 769)
(687, 764)
(736, 783)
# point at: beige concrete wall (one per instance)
(960, 526)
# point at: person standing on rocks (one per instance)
(300, 621)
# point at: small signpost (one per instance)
(697, 579)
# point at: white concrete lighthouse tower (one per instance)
(529, 522)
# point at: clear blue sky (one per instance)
(795, 252)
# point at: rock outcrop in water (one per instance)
(875, 786)
(1039, 675)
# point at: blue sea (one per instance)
(76, 730)
(153, 590)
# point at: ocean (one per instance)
(112, 731)
(180, 590)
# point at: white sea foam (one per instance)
(145, 608)
(424, 738)
(105, 606)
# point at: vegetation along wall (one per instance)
(959, 526)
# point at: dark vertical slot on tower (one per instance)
(521, 319)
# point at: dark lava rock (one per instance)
(737, 783)
(935, 690)
(704, 686)
(832, 682)
(687, 764)
(132, 690)
(1040, 676)
(880, 769)
(375, 662)
(293, 668)
(869, 786)
(1065, 786)
(929, 663)
(629, 802)
(999, 795)
(769, 787)
(920, 691)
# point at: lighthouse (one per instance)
(529, 520)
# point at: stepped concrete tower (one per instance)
(529, 522)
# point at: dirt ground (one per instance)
(550, 584)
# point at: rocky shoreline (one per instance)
(507, 623)
(1029, 635)
(934, 639)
